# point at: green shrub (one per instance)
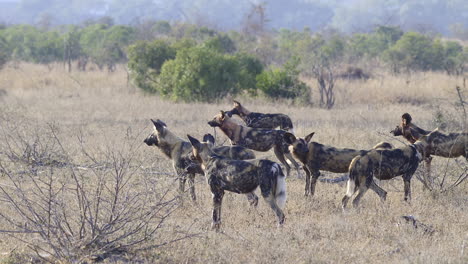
(145, 60)
(199, 74)
(283, 83)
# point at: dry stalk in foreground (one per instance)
(63, 213)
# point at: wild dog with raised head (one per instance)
(179, 151)
(240, 176)
(316, 157)
(448, 146)
(256, 139)
(409, 130)
(259, 120)
(383, 164)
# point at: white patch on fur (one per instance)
(350, 187)
(280, 192)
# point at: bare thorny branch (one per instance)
(72, 213)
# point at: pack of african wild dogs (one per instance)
(235, 168)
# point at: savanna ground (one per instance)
(56, 125)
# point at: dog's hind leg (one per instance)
(280, 155)
(380, 192)
(362, 190)
(271, 200)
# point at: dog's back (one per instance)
(271, 121)
(322, 157)
(449, 145)
(384, 164)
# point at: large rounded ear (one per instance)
(208, 138)
(161, 122)
(159, 127)
(289, 138)
(195, 143)
(223, 114)
(406, 118)
(309, 137)
(236, 103)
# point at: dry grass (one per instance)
(102, 110)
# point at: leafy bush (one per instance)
(415, 51)
(199, 74)
(283, 83)
(146, 60)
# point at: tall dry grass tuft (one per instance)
(100, 122)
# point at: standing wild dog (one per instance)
(179, 151)
(317, 157)
(256, 139)
(259, 120)
(451, 145)
(232, 152)
(384, 164)
(240, 176)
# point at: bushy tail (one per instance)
(280, 192)
(353, 181)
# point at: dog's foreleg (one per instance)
(191, 178)
(307, 184)
(252, 198)
(294, 162)
(313, 182)
(217, 202)
(406, 181)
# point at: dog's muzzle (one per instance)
(213, 124)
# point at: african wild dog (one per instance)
(451, 145)
(232, 152)
(411, 133)
(259, 120)
(317, 157)
(256, 139)
(179, 151)
(383, 164)
(240, 176)
(409, 130)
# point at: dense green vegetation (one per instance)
(192, 63)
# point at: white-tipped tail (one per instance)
(280, 192)
(350, 187)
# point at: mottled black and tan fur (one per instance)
(256, 139)
(316, 157)
(383, 164)
(259, 120)
(240, 176)
(408, 129)
(232, 152)
(180, 152)
(450, 145)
